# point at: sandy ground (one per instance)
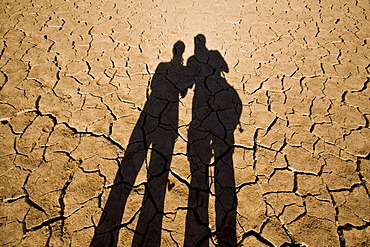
(75, 75)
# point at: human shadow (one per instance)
(216, 111)
(156, 130)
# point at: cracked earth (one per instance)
(75, 76)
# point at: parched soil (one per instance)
(76, 78)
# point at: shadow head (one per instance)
(200, 42)
(178, 48)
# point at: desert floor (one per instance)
(75, 76)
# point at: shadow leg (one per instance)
(149, 226)
(197, 230)
(107, 231)
(226, 200)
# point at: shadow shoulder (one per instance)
(163, 67)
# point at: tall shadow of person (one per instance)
(156, 130)
(216, 111)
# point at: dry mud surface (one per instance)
(75, 76)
